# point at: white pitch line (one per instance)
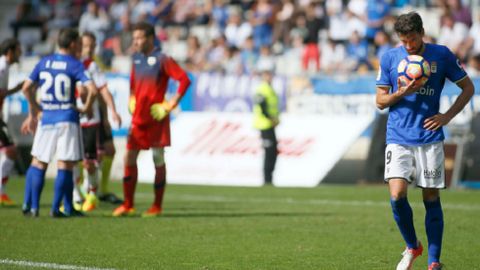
(358, 203)
(50, 265)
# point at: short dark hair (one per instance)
(145, 27)
(66, 37)
(89, 35)
(408, 23)
(9, 44)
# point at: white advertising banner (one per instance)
(224, 149)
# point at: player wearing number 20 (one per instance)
(58, 130)
(414, 133)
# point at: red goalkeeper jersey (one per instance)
(148, 83)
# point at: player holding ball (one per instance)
(415, 136)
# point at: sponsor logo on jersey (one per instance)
(433, 67)
(432, 174)
(426, 91)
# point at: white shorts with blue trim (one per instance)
(63, 140)
(423, 163)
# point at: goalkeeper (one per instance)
(150, 128)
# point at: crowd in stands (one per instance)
(298, 36)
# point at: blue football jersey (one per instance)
(57, 75)
(407, 116)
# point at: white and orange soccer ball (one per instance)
(413, 67)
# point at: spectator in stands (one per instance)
(452, 34)
(459, 12)
(195, 54)
(220, 13)
(248, 56)
(333, 57)
(382, 43)
(117, 11)
(232, 63)
(237, 31)
(311, 50)
(262, 24)
(216, 53)
(283, 21)
(94, 20)
(336, 21)
(300, 29)
(473, 67)
(121, 42)
(471, 44)
(28, 15)
(265, 58)
(357, 53)
(378, 12)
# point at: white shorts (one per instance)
(424, 163)
(63, 139)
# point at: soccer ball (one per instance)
(413, 67)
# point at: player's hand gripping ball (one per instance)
(159, 111)
(413, 67)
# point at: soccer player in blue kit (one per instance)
(58, 130)
(414, 133)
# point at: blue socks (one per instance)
(68, 188)
(402, 213)
(434, 228)
(62, 183)
(34, 183)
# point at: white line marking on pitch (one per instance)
(214, 198)
(50, 265)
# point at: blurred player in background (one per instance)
(10, 53)
(92, 125)
(415, 135)
(266, 118)
(58, 131)
(150, 127)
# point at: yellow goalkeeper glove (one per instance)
(132, 102)
(160, 110)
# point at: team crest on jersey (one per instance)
(433, 67)
(151, 60)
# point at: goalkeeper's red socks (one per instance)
(159, 185)
(129, 184)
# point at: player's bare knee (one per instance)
(158, 156)
(89, 165)
(66, 165)
(39, 164)
(131, 157)
(430, 194)
(109, 149)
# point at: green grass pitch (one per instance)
(205, 227)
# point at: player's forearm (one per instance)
(386, 100)
(33, 107)
(14, 90)
(184, 83)
(91, 95)
(108, 98)
(462, 100)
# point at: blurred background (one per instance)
(325, 53)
